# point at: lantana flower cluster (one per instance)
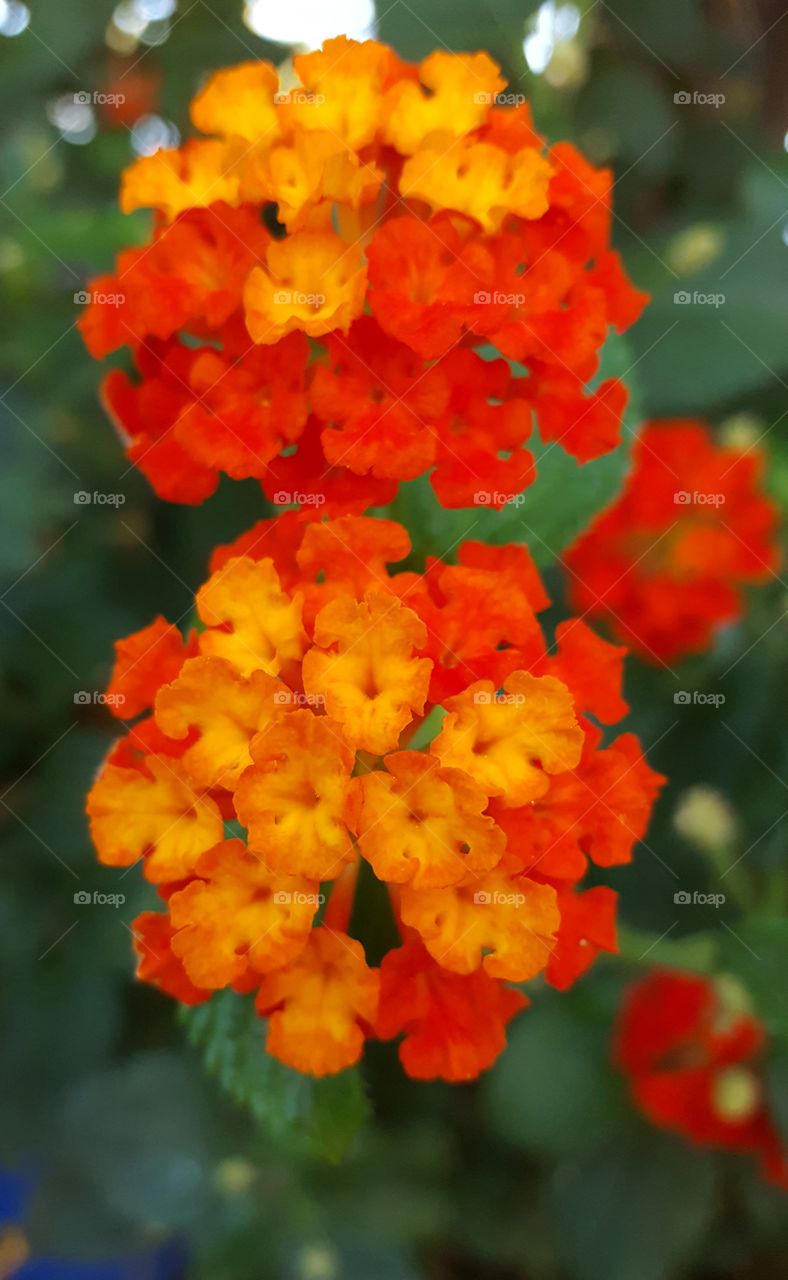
(667, 563)
(328, 710)
(692, 1051)
(333, 270)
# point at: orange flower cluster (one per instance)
(330, 270)
(691, 1053)
(328, 711)
(666, 563)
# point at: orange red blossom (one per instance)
(328, 710)
(668, 562)
(332, 272)
(692, 1051)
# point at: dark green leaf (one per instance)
(554, 1088)
(634, 1210)
(757, 953)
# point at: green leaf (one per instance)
(553, 1090)
(695, 353)
(634, 1210)
(564, 498)
(757, 953)
(322, 1116)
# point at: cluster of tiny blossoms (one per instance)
(327, 711)
(668, 561)
(692, 1050)
(332, 273)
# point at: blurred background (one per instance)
(117, 1150)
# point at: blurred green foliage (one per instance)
(542, 1170)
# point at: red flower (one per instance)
(692, 1058)
(668, 561)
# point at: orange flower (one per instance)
(143, 661)
(406, 223)
(321, 1005)
(479, 180)
(667, 562)
(509, 741)
(237, 915)
(249, 620)
(376, 400)
(454, 1024)
(588, 926)
(228, 710)
(239, 102)
(502, 923)
(155, 814)
(197, 175)
(363, 665)
(598, 810)
(425, 826)
(152, 933)
(312, 281)
(317, 658)
(453, 96)
(295, 799)
(346, 84)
